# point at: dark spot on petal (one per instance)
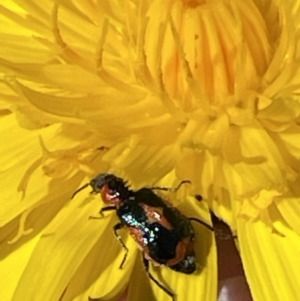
(198, 197)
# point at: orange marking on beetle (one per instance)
(137, 235)
(182, 249)
(155, 214)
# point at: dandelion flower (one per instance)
(156, 92)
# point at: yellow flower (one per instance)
(154, 91)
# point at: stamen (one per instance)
(99, 50)
(68, 53)
(101, 72)
(163, 94)
(193, 85)
(21, 230)
(56, 30)
(142, 70)
(127, 22)
(26, 177)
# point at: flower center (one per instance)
(193, 3)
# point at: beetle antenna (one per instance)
(171, 189)
(182, 182)
(79, 189)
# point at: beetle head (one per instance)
(111, 188)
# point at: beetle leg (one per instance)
(146, 266)
(202, 223)
(171, 189)
(108, 208)
(219, 232)
(119, 238)
(224, 236)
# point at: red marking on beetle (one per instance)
(108, 197)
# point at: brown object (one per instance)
(232, 282)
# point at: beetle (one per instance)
(164, 235)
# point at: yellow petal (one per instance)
(63, 248)
(290, 210)
(99, 276)
(270, 260)
(18, 153)
(139, 286)
(13, 262)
